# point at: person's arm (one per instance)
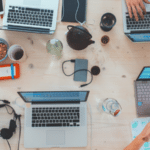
(136, 6)
(143, 137)
(136, 144)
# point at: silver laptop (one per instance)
(37, 16)
(136, 31)
(55, 119)
(142, 93)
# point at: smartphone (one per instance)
(81, 75)
(1, 7)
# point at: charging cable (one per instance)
(63, 13)
(5, 101)
(73, 61)
(15, 103)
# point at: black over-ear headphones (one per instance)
(7, 133)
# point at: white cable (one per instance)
(91, 123)
(15, 103)
(77, 13)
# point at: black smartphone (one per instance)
(1, 7)
(81, 75)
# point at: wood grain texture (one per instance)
(120, 61)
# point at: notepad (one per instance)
(69, 10)
(137, 127)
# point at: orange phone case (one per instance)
(11, 77)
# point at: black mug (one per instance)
(108, 20)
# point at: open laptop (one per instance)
(136, 31)
(55, 119)
(142, 93)
(36, 16)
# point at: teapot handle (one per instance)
(68, 27)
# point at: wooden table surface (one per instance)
(120, 61)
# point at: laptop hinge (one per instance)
(28, 29)
(55, 103)
(141, 31)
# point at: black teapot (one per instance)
(78, 37)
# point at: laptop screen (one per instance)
(59, 96)
(145, 74)
(139, 37)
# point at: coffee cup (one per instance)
(105, 40)
(17, 53)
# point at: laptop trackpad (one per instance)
(32, 2)
(55, 138)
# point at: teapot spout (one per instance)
(91, 42)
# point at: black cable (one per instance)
(8, 111)
(5, 101)
(13, 111)
(73, 61)
(15, 118)
(19, 116)
(8, 144)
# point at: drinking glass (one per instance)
(111, 106)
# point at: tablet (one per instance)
(69, 8)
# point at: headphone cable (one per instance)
(15, 118)
(73, 61)
(8, 144)
(19, 116)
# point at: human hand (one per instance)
(136, 6)
(145, 134)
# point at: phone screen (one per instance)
(1, 6)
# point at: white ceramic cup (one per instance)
(16, 53)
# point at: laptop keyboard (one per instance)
(143, 92)
(141, 24)
(56, 117)
(30, 16)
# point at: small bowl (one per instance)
(4, 42)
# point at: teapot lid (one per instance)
(81, 28)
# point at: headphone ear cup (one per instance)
(6, 133)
